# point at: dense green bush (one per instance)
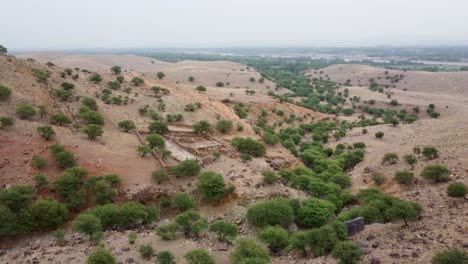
(182, 201)
(348, 252)
(92, 131)
(6, 121)
(160, 176)
(137, 81)
(457, 190)
(92, 117)
(87, 224)
(17, 197)
(126, 125)
(5, 92)
(100, 256)
(95, 78)
(270, 139)
(158, 127)
(404, 177)
(155, 141)
(378, 178)
(200, 88)
(60, 119)
(48, 214)
(248, 248)
(199, 256)
(226, 231)
(202, 127)
(116, 69)
(270, 177)
(272, 212)
(90, 102)
(25, 111)
(315, 212)
(211, 186)
(65, 159)
(379, 134)
(191, 223)
(277, 238)
(187, 168)
(165, 257)
(430, 152)
(452, 256)
(391, 158)
(248, 146)
(436, 173)
(168, 231)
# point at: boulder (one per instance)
(355, 226)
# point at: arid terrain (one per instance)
(442, 225)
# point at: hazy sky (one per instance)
(62, 24)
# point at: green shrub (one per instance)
(165, 257)
(146, 251)
(270, 177)
(270, 139)
(90, 103)
(158, 127)
(48, 214)
(457, 190)
(275, 237)
(403, 210)
(182, 201)
(59, 236)
(95, 78)
(100, 256)
(411, 160)
(404, 177)
(226, 231)
(132, 237)
(248, 146)
(92, 131)
(168, 231)
(25, 111)
(137, 81)
(322, 240)
(248, 248)
(391, 158)
(200, 88)
(436, 173)
(92, 117)
(5, 92)
(6, 121)
(272, 212)
(192, 223)
(143, 150)
(87, 224)
(430, 152)
(211, 186)
(378, 178)
(187, 168)
(116, 69)
(379, 134)
(60, 119)
(199, 256)
(17, 197)
(315, 212)
(348, 252)
(245, 157)
(126, 125)
(40, 180)
(46, 132)
(452, 256)
(65, 159)
(202, 127)
(155, 141)
(38, 162)
(224, 126)
(160, 75)
(160, 176)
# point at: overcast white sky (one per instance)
(62, 24)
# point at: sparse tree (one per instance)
(143, 150)
(411, 160)
(348, 252)
(226, 231)
(391, 158)
(60, 119)
(46, 132)
(155, 141)
(137, 81)
(95, 78)
(191, 79)
(158, 127)
(224, 126)
(211, 186)
(202, 127)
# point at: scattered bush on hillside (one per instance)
(46, 132)
(272, 212)
(379, 134)
(25, 111)
(457, 190)
(5, 92)
(6, 121)
(277, 238)
(212, 187)
(248, 146)
(404, 177)
(199, 256)
(391, 158)
(92, 131)
(436, 173)
(60, 119)
(226, 231)
(126, 125)
(182, 201)
(187, 168)
(100, 256)
(248, 248)
(348, 252)
(430, 152)
(452, 256)
(224, 126)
